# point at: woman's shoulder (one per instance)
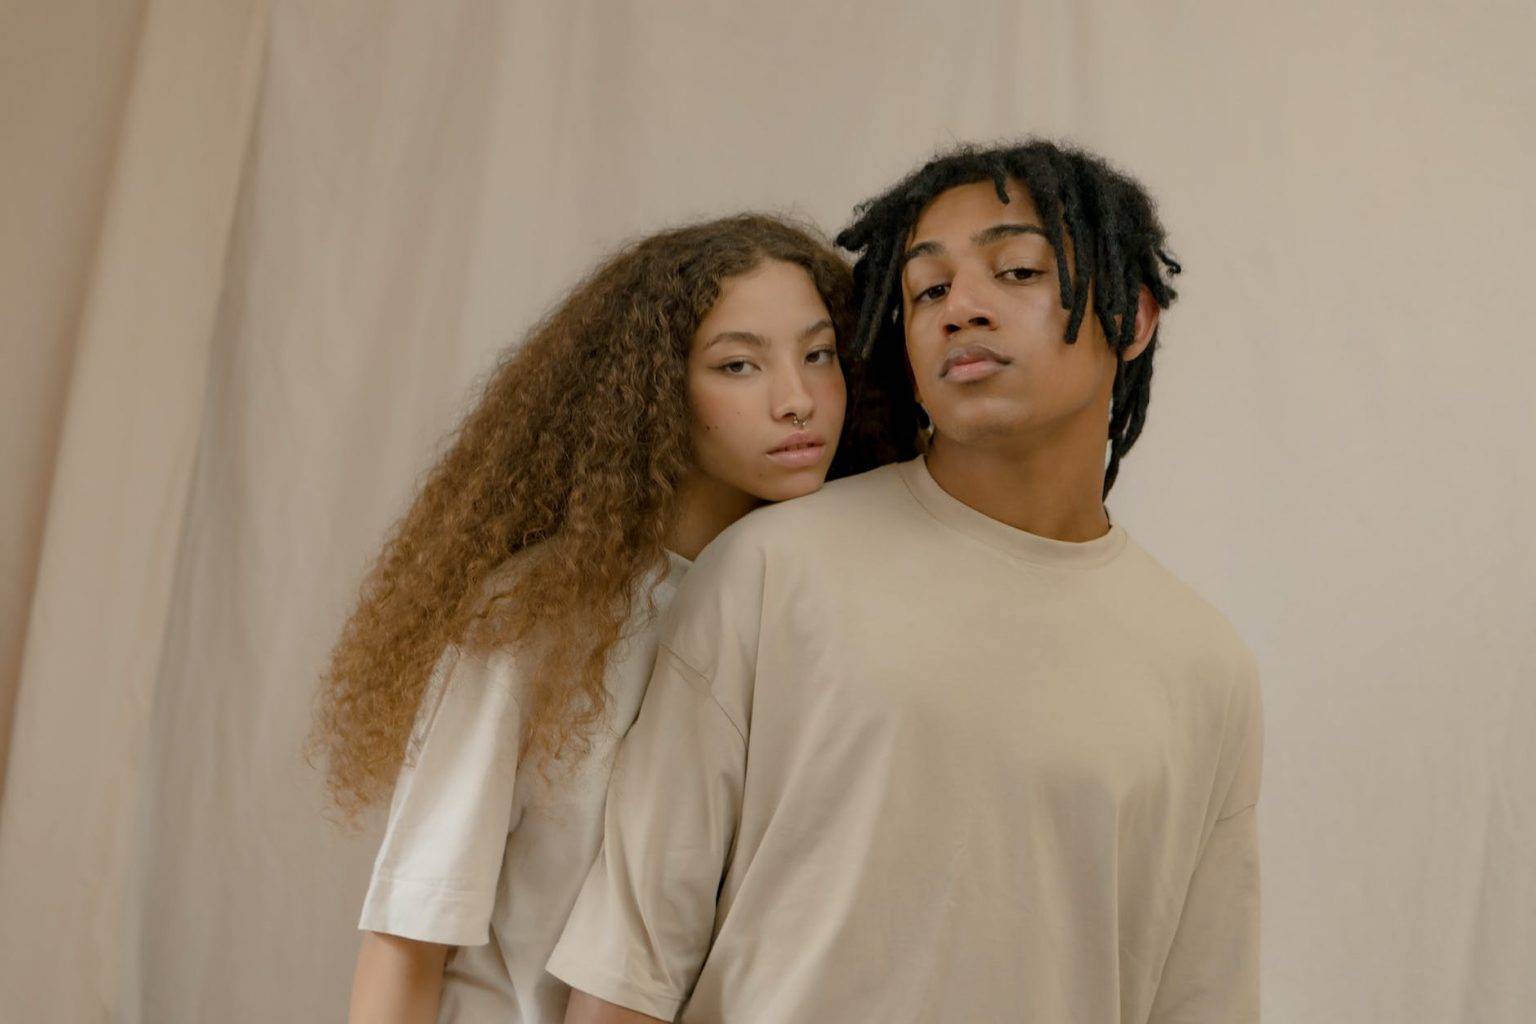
(502, 578)
(650, 592)
(472, 664)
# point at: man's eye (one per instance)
(932, 292)
(1022, 273)
(823, 355)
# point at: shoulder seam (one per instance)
(1242, 810)
(705, 686)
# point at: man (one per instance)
(941, 742)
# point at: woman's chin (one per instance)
(794, 485)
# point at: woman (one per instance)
(505, 635)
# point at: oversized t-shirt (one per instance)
(487, 859)
(901, 762)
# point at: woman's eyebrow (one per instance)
(820, 325)
(747, 337)
(752, 338)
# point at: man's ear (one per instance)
(1147, 313)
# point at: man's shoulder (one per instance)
(1187, 616)
(842, 502)
(715, 618)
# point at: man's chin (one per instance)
(984, 423)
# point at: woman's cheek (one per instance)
(838, 394)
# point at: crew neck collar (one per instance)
(1021, 544)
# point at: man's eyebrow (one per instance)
(986, 236)
(1000, 231)
(921, 249)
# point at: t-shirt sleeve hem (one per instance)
(427, 911)
(619, 991)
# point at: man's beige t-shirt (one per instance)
(901, 762)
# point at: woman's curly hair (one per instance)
(571, 461)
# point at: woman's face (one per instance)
(764, 384)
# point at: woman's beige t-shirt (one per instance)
(483, 858)
(901, 762)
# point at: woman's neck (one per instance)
(705, 506)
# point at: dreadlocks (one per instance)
(1117, 242)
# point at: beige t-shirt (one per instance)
(481, 857)
(901, 762)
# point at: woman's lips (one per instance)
(799, 450)
(971, 362)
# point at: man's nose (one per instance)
(965, 306)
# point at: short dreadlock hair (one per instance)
(1118, 246)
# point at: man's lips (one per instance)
(983, 360)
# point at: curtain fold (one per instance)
(64, 72)
(115, 510)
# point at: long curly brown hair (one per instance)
(571, 461)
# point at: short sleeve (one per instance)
(642, 924)
(436, 873)
(1211, 974)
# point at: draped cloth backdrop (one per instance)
(256, 253)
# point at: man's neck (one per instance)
(1052, 491)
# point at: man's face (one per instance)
(985, 327)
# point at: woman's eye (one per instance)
(931, 292)
(822, 356)
(1020, 273)
(736, 367)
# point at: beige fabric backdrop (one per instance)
(255, 254)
